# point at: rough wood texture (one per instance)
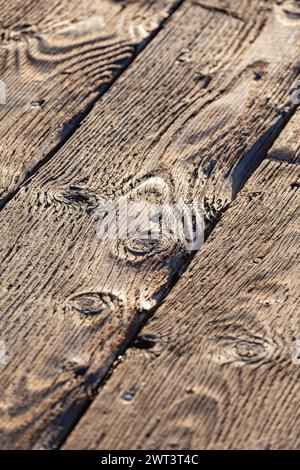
(222, 368)
(189, 121)
(56, 58)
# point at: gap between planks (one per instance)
(222, 367)
(132, 340)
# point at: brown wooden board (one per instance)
(189, 121)
(218, 366)
(56, 59)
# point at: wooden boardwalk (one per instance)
(135, 343)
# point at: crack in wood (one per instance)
(217, 7)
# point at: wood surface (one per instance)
(189, 121)
(218, 366)
(56, 59)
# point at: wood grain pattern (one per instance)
(56, 59)
(218, 366)
(189, 121)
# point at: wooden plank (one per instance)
(56, 59)
(191, 118)
(222, 368)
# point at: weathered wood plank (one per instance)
(187, 122)
(222, 370)
(56, 59)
